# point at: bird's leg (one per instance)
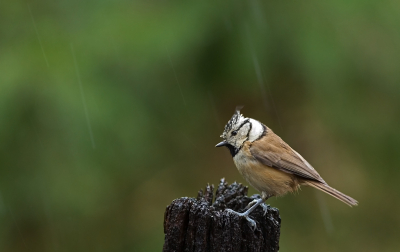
(251, 203)
(252, 223)
(264, 196)
(252, 206)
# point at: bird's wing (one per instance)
(272, 151)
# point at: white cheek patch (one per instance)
(256, 130)
(242, 134)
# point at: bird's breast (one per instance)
(264, 178)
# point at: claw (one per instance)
(251, 222)
(251, 206)
(265, 208)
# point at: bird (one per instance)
(269, 164)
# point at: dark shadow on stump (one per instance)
(202, 225)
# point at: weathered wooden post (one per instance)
(202, 225)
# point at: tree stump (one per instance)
(202, 225)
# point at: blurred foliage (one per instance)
(109, 110)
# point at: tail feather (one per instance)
(333, 192)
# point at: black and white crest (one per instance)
(233, 121)
(236, 119)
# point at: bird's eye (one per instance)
(234, 133)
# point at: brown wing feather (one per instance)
(272, 151)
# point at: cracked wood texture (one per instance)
(201, 224)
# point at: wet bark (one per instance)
(201, 224)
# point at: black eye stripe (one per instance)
(248, 132)
(243, 123)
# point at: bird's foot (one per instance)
(265, 208)
(263, 205)
(251, 222)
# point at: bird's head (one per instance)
(238, 130)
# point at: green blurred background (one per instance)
(109, 110)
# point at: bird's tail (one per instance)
(333, 192)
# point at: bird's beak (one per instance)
(223, 143)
